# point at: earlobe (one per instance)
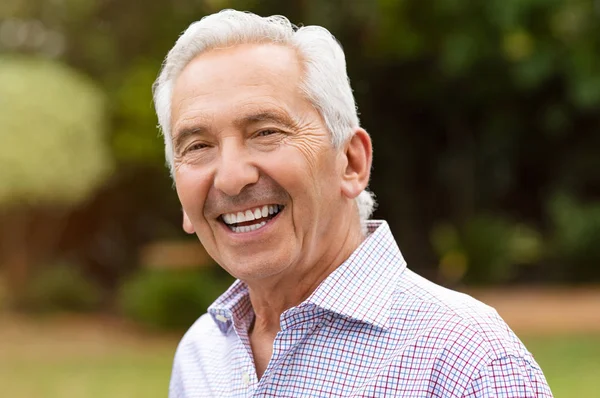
(187, 224)
(359, 155)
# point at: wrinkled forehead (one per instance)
(260, 76)
(241, 65)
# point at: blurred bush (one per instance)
(60, 288)
(169, 298)
(53, 131)
(575, 243)
(487, 249)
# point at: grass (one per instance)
(118, 375)
(571, 363)
(69, 363)
(81, 357)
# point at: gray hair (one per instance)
(325, 84)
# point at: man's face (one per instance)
(255, 171)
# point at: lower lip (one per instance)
(252, 234)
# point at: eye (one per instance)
(195, 147)
(264, 133)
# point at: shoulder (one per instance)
(459, 333)
(462, 344)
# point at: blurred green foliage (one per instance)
(61, 287)
(136, 136)
(576, 238)
(171, 299)
(486, 249)
(52, 126)
(480, 111)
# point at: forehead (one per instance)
(243, 75)
(254, 60)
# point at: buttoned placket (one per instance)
(247, 373)
(248, 376)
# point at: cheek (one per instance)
(192, 187)
(312, 179)
(291, 171)
(303, 161)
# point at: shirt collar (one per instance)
(361, 288)
(233, 304)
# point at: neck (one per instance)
(272, 296)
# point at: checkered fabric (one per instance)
(372, 328)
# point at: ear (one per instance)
(359, 155)
(187, 224)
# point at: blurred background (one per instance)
(485, 118)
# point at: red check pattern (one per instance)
(373, 328)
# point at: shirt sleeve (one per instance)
(176, 384)
(509, 377)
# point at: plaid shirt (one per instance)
(372, 328)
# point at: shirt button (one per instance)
(245, 379)
(221, 318)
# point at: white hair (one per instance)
(325, 83)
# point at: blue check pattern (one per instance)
(372, 328)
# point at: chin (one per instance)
(255, 270)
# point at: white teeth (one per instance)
(251, 214)
(248, 228)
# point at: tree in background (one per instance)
(54, 155)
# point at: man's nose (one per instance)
(235, 170)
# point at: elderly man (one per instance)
(271, 168)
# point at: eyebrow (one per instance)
(281, 118)
(183, 134)
(276, 117)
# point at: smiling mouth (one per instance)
(251, 219)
